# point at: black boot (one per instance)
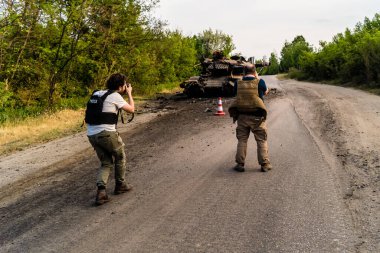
(122, 188)
(239, 167)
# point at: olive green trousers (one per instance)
(256, 125)
(109, 148)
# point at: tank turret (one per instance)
(218, 76)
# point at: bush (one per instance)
(297, 74)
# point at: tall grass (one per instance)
(42, 128)
(151, 91)
(22, 127)
(12, 115)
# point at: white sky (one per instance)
(259, 27)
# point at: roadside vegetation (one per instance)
(15, 136)
(351, 59)
(53, 54)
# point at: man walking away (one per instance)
(101, 118)
(250, 113)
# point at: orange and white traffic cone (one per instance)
(220, 111)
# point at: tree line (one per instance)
(53, 54)
(351, 58)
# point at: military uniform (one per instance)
(250, 113)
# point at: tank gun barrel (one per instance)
(262, 64)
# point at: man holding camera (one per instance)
(102, 134)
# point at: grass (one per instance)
(22, 133)
(43, 128)
(282, 76)
(151, 92)
(368, 88)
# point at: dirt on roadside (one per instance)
(346, 124)
(38, 184)
(41, 183)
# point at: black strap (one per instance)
(94, 92)
(130, 120)
(108, 92)
(120, 112)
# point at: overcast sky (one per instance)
(259, 27)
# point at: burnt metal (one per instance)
(218, 76)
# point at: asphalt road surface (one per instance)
(186, 196)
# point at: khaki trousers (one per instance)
(246, 124)
(109, 148)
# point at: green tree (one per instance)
(54, 53)
(292, 52)
(176, 56)
(274, 67)
(351, 57)
(369, 49)
(209, 41)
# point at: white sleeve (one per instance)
(117, 100)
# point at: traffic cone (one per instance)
(220, 111)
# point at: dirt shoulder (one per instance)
(346, 122)
(44, 159)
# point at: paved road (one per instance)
(187, 198)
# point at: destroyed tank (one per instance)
(217, 77)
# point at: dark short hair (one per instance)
(250, 69)
(115, 81)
